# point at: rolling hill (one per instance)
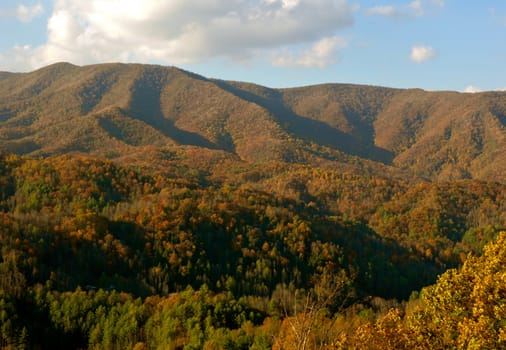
(135, 113)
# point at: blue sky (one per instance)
(429, 44)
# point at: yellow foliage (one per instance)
(466, 309)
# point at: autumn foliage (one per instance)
(99, 255)
(146, 207)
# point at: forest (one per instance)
(101, 255)
(147, 207)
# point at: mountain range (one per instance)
(158, 115)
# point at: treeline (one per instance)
(104, 256)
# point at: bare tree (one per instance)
(311, 317)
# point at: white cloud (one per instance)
(415, 8)
(185, 31)
(27, 13)
(421, 54)
(411, 10)
(387, 11)
(322, 54)
(472, 89)
(19, 57)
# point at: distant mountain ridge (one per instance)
(127, 111)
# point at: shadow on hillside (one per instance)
(379, 273)
(20, 147)
(309, 129)
(502, 118)
(5, 116)
(146, 107)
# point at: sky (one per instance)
(428, 44)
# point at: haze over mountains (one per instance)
(140, 112)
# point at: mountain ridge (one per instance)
(114, 109)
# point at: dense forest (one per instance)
(131, 112)
(146, 207)
(99, 255)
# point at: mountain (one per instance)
(135, 113)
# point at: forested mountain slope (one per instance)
(82, 239)
(118, 110)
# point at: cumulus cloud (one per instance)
(186, 31)
(322, 54)
(421, 54)
(18, 58)
(27, 13)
